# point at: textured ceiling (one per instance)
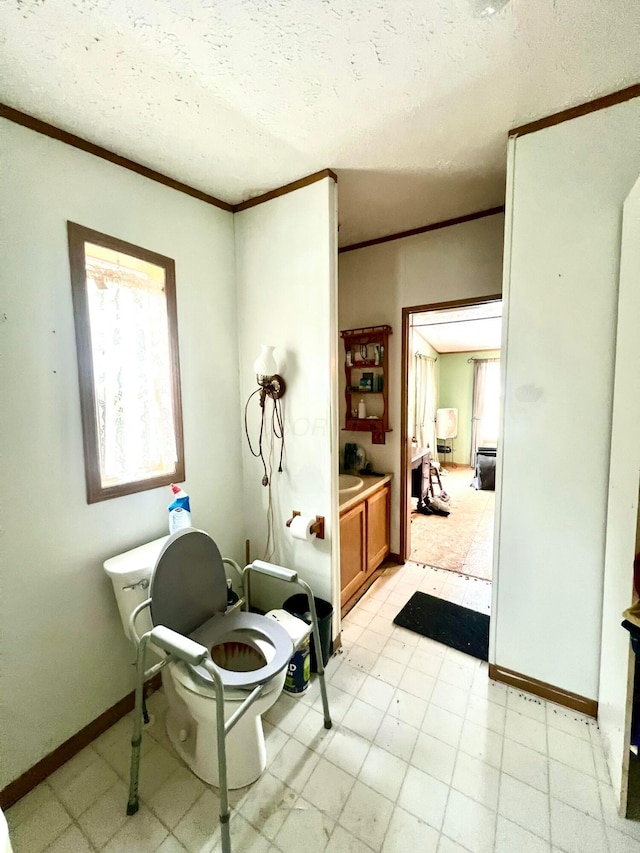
(466, 336)
(408, 100)
(468, 329)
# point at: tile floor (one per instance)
(426, 756)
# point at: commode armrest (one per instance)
(178, 645)
(273, 571)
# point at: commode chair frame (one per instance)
(179, 647)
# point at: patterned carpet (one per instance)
(463, 541)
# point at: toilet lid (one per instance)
(189, 584)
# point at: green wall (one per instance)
(455, 391)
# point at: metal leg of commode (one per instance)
(290, 576)
(222, 730)
(178, 646)
(139, 714)
(319, 661)
(136, 737)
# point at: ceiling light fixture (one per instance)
(487, 8)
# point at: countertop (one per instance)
(369, 485)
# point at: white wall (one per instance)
(64, 656)
(566, 186)
(375, 283)
(286, 275)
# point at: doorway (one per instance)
(451, 403)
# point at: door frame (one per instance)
(617, 662)
(405, 478)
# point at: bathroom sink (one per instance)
(348, 483)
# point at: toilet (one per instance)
(184, 577)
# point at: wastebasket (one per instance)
(298, 605)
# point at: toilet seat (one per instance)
(253, 630)
(184, 675)
(189, 595)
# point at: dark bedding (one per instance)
(485, 476)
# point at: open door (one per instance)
(616, 669)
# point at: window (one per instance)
(124, 306)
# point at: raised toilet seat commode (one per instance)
(188, 594)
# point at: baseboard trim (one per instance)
(544, 690)
(15, 790)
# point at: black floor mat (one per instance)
(455, 626)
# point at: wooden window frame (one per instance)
(78, 235)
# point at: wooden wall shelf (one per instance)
(367, 352)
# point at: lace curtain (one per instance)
(422, 414)
(130, 350)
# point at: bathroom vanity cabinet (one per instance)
(366, 356)
(365, 521)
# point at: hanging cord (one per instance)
(270, 544)
(267, 437)
(278, 418)
(259, 454)
(277, 430)
(276, 423)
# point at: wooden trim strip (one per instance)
(454, 303)
(97, 150)
(405, 488)
(287, 188)
(75, 141)
(435, 226)
(593, 106)
(544, 690)
(46, 766)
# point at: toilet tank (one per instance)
(130, 575)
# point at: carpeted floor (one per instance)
(463, 541)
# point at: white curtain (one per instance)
(486, 396)
(130, 351)
(422, 414)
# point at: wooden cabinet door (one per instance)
(353, 555)
(378, 527)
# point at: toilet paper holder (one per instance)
(317, 527)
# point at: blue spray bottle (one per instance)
(179, 510)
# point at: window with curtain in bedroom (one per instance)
(486, 404)
(124, 303)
